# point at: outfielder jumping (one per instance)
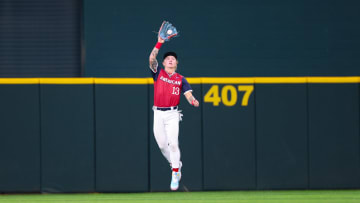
(167, 87)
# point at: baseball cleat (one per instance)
(175, 179)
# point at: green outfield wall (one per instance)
(227, 38)
(95, 135)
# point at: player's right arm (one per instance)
(153, 63)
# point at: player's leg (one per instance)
(160, 135)
(172, 133)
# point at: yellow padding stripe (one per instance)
(241, 80)
(212, 80)
(333, 79)
(75, 81)
(19, 81)
(136, 81)
(266, 80)
(194, 80)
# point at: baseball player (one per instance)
(168, 84)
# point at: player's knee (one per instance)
(173, 147)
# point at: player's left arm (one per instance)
(153, 63)
(191, 99)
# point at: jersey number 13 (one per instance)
(176, 90)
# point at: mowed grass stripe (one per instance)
(232, 196)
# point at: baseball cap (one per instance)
(170, 53)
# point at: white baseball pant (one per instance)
(166, 133)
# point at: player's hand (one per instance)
(196, 103)
(160, 40)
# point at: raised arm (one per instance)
(153, 63)
(191, 99)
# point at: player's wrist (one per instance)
(159, 44)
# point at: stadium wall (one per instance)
(95, 135)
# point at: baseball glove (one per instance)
(167, 31)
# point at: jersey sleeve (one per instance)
(155, 74)
(185, 86)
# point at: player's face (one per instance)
(170, 62)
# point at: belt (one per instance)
(166, 108)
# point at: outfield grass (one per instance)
(233, 196)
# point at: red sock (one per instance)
(176, 169)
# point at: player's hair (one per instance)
(170, 53)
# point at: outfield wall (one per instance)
(226, 38)
(94, 134)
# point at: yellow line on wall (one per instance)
(19, 81)
(333, 79)
(69, 81)
(193, 80)
(241, 80)
(136, 81)
(282, 80)
(205, 80)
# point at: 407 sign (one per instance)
(228, 95)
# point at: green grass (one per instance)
(315, 196)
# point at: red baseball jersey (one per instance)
(167, 88)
